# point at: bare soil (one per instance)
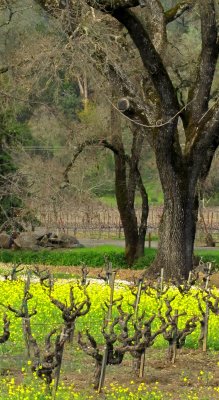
(193, 371)
(122, 274)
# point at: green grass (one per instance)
(153, 188)
(110, 200)
(90, 256)
(155, 197)
(93, 257)
(209, 256)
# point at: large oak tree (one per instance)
(158, 108)
(180, 168)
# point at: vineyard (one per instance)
(108, 340)
(105, 222)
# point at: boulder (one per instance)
(210, 242)
(67, 241)
(4, 240)
(26, 241)
(33, 241)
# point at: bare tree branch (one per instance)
(106, 144)
(3, 70)
(78, 151)
(206, 134)
(151, 60)
(208, 59)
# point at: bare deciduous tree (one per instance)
(134, 54)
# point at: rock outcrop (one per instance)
(33, 241)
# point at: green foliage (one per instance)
(14, 131)
(93, 257)
(214, 201)
(69, 100)
(63, 93)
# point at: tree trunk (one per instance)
(178, 223)
(140, 245)
(134, 243)
(126, 211)
(125, 190)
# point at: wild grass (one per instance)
(92, 257)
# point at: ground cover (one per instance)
(90, 256)
(93, 257)
(194, 375)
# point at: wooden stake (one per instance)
(189, 278)
(103, 370)
(138, 298)
(112, 286)
(149, 240)
(109, 274)
(26, 318)
(206, 319)
(208, 276)
(109, 317)
(161, 280)
(175, 338)
(58, 369)
(205, 338)
(142, 364)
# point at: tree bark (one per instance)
(126, 211)
(178, 223)
(177, 233)
(127, 180)
(125, 189)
